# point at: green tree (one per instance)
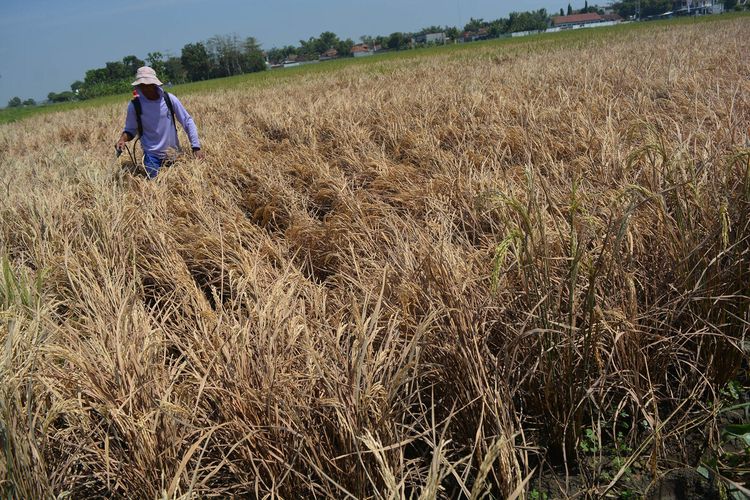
(251, 44)
(279, 55)
(173, 70)
(229, 55)
(156, 61)
(562, 12)
(344, 47)
(113, 78)
(62, 96)
(431, 29)
(307, 49)
(589, 8)
(116, 71)
(15, 102)
(94, 76)
(475, 24)
(29, 102)
(570, 10)
(398, 41)
(528, 21)
(452, 33)
(131, 65)
(195, 61)
(252, 56)
(224, 55)
(326, 41)
(498, 27)
(289, 50)
(254, 62)
(275, 55)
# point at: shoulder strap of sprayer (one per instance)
(168, 100)
(137, 107)
(138, 110)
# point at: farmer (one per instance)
(152, 116)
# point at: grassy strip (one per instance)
(270, 78)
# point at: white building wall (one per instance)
(435, 38)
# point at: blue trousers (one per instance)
(152, 164)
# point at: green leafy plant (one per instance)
(733, 453)
(538, 495)
(731, 391)
(589, 442)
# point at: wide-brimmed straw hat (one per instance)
(146, 76)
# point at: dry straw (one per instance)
(424, 278)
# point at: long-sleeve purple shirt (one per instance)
(159, 135)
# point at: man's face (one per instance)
(149, 91)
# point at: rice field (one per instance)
(515, 271)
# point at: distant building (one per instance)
(575, 20)
(425, 38)
(329, 54)
(473, 36)
(516, 34)
(362, 50)
(691, 8)
(684, 7)
(291, 61)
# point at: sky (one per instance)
(47, 45)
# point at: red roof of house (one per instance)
(589, 17)
(360, 48)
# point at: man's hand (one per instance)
(121, 142)
(199, 154)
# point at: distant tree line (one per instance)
(16, 102)
(312, 49)
(219, 56)
(229, 55)
(586, 9)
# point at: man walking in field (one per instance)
(152, 116)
